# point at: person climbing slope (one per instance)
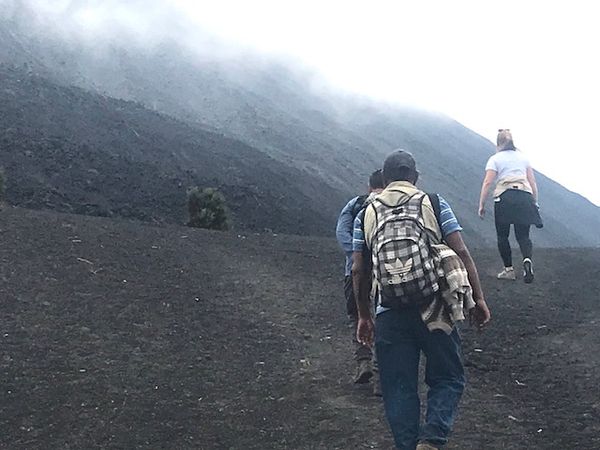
(425, 282)
(515, 203)
(344, 233)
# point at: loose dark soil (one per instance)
(115, 334)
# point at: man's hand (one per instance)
(365, 332)
(481, 211)
(480, 315)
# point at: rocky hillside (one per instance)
(67, 149)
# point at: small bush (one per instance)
(207, 209)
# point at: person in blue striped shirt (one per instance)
(344, 234)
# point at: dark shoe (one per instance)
(527, 271)
(364, 372)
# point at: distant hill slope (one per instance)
(67, 149)
(332, 142)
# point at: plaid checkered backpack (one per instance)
(404, 264)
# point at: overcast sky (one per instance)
(531, 66)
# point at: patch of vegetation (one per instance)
(207, 209)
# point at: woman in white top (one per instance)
(515, 202)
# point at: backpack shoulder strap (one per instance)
(371, 204)
(437, 209)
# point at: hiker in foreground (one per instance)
(344, 230)
(425, 281)
(515, 202)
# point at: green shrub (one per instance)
(207, 209)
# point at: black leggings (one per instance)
(522, 234)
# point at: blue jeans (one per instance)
(400, 336)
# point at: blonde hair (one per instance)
(504, 141)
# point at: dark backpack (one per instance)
(404, 264)
(359, 205)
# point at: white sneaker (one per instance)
(426, 446)
(507, 274)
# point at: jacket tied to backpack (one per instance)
(455, 296)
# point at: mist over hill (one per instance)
(287, 149)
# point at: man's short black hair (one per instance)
(376, 180)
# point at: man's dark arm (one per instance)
(455, 241)
(361, 285)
